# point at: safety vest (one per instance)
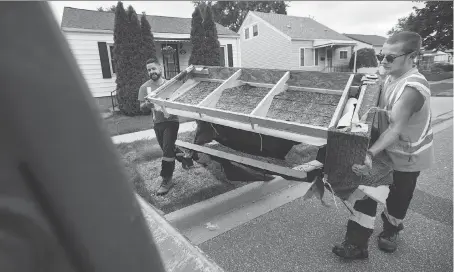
(413, 151)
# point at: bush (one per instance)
(212, 48)
(129, 62)
(197, 37)
(430, 76)
(441, 67)
(366, 58)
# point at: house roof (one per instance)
(303, 28)
(98, 20)
(369, 39)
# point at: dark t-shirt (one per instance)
(158, 115)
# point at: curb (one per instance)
(193, 215)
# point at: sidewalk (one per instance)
(442, 108)
(149, 134)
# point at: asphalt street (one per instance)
(299, 235)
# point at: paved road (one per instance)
(299, 235)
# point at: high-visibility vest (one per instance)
(413, 151)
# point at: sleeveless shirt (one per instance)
(413, 151)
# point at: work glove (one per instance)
(365, 169)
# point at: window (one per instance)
(246, 33)
(316, 57)
(302, 57)
(343, 54)
(111, 57)
(222, 56)
(307, 57)
(255, 30)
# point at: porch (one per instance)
(174, 63)
(334, 55)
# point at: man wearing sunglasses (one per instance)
(405, 135)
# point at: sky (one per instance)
(353, 17)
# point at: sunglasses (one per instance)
(389, 58)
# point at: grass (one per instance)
(118, 124)
(431, 76)
(143, 164)
(441, 89)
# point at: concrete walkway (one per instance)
(149, 134)
(442, 108)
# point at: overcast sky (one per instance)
(354, 17)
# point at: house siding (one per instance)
(309, 57)
(269, 49)
(337, 61)
(84, 47)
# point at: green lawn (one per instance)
(442, 89)
(118, 124)
(143, 164)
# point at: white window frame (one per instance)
(313, 57)
(340, 55)
(226, 59)
(246, 30)
(256, 25)
(110, 59)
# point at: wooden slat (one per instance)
(209, 79)
(253, 121)
(315, 90)
(162, 88)
(264, 105)
(343, 100)
(288, 135)
(303, 129)
(189, 84)
(247, 161)
(295, 88)
(360, 101)
(211, 100)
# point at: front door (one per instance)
(171, 63)
(329, 57)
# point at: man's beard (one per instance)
(157, 76)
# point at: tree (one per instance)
(129, 64)
(366, 58)
(109, 9)
(211, 46)
(197, 38)
(148, 46)
(433, 22)
(231, 14)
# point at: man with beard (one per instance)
(165, 126)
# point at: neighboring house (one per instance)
(368, 41)
(90, 37)
(431, 56)
(277, 41)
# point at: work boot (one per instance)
(347, 250)
(387, 239)
(166, 185)
(187, 163)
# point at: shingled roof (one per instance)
(300, 27)
(369, 39)
(98, 20)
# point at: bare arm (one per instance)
(410, 102)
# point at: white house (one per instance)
(368, 41)
(90, 37)
(270, 40)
